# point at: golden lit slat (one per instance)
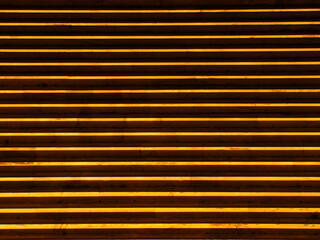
(155, 194)
(162, 178)
(158, 226)
(165, 50)
(43, 149)
(61, 37)
(159, 11)
(164, 77)
(158, 105)
(157, 63)
(164, 91)
(137, 24)
(159, 210)
(157, 119)
(198, 163)
(133, 134)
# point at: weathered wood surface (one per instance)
(159, 119)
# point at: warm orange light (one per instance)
(167, 50)
(150, 105)
(158, 11)
(167, 77)
(155, 163)
(133, 134)
(6, 149)
(79, 24)
(154, 63)
(164, 91)
(158, 119)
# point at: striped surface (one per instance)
(174, 119)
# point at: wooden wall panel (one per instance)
(159, 119)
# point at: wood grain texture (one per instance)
(158, 119)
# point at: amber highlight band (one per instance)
(164, 91)
(154, 63)
(113, 24)
(165, 37)
(155, 163)
(138, 105)
(165, 77)
(157, 119)
(159, 11)
(164, 50)
(133, 134)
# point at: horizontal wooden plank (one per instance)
(162, 226)
(156, 194)
(161, 210)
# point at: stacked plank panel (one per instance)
(159, 119)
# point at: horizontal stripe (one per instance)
(6, 149)
(155, 163)
(165, 77)
(165, 91)
(162, 105)
(133, 134)
(166, 50)
(162, 178)
(158, 11)
(158, 226)
(165, 37)
(159, 119)
(135, 24)
(156, 194)
(161, 210)
(155, 63)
